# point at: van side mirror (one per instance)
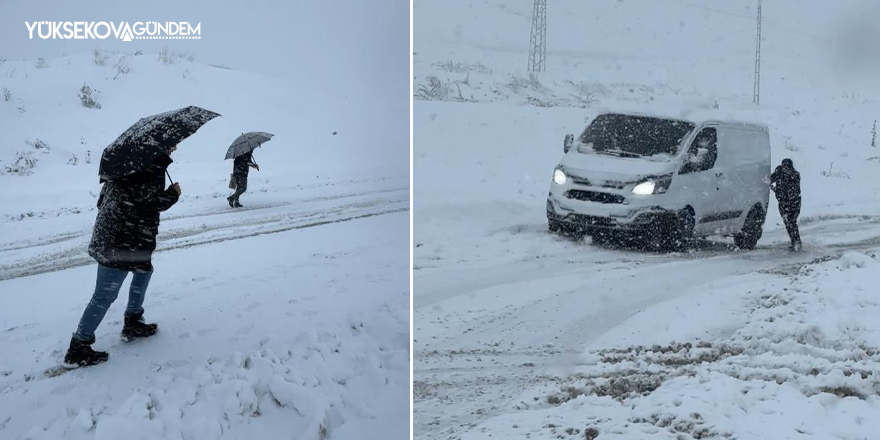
(567, 143)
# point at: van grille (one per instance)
(589, 220)
(595, 197)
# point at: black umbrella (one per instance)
(149, 137)
(247, 142)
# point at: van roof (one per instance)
(693, 114)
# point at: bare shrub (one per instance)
(24, 163)
(41, 63)
(122, 67)
(456, 67)
(170, 57)
(99, 57)
(85, 95)
(7, 94)
(519, 83)
(165, 56)
(39, 145)
(435, 90)
(836, 174)
(873, 133)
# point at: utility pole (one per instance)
(538, 40)
(757, 92)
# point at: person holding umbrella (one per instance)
(241, 165)
(132, 171)
(241, 151)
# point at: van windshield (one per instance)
(635, 136)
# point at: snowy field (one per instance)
(288, 318)
(522, 334)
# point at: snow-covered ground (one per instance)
(522, 334)
(288, 318)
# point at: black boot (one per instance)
(80, 354)
(229, 199)
(135, 327)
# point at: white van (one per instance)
(663, 179)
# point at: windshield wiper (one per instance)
(620, 153)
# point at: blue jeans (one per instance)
(106, 291)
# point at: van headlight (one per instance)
(653, 186)
(559, 177)
(645, 188)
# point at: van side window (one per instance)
(703, 152)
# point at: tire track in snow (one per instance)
(474, 324)
(68, 235)
(181, 238)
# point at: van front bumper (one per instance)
(587, 216)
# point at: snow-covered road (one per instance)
(287, 318)
(486, 333)
(39, 245)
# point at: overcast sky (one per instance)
(354, 48)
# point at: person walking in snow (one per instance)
(123, 241)
(786, 183)
(240, 168)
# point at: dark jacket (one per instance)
(241, 165)
(125, 231)
(788, 185)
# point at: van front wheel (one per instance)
(683, 235)
(752, 230)
(675, 233)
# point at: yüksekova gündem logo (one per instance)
(90, 30)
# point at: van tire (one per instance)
(682, 236)
(564, 230)
(752, 230)
(675, 233)
(603, 238)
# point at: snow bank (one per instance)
(307, 335)
(325, 384)
(803, 359)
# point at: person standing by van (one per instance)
(786, 183)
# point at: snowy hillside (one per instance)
(521, 334)
(287, 318)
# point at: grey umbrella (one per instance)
(247, 142)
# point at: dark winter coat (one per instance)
(125, 231)
(788, 186)
(241, 166)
